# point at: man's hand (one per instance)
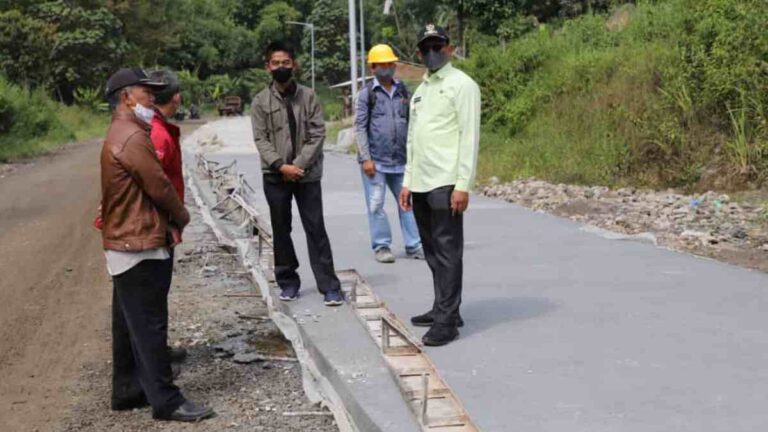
(98, 221)
(369, 168)
(405, 199)
(175, 236)
(459, 201)
(292, 172)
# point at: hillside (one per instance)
(665, 94)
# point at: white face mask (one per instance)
(144, 113)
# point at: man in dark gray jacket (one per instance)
(289, 131)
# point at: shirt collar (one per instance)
(159, 115)
(376, 83)
(291, 91)
(440, 74)
(164, 122)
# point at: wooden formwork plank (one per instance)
(411, 385)
(455, 428)
(400, 328)
(429, 396)
(445, 411)
(409, 365)
(371, 314)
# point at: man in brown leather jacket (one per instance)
(140, 211)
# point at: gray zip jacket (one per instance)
(272, 134)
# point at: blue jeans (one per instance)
(375, 192)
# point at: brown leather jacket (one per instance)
(138, 201)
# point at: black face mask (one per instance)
(282, 74)
(434, 60)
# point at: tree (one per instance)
(210, 42)
(246, 12)
(331, 45)
(87, 46)
(150, 28)
(272, 23)
(25, 48)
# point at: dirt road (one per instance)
(55, 325)
(54, 291)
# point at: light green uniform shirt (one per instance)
(444, 132)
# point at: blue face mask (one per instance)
(384, 74)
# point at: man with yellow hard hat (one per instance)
(381, 126)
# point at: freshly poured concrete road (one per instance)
(565, 330)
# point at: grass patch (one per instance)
(676, 99)
(333, 128)
(31, 123)
(331, 100)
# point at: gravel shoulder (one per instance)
(239, 362)
(55, 316)
(710, 224)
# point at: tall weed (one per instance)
(648, 105)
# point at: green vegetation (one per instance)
(677, 98)
(675, 93)
(31, 123)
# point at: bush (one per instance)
(25, 114)
(207, 93)
(91, 99)
(331, 100)
(657, 104)
(31, 123)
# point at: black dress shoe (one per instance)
(189, 412)
(177, 355)
(129, 403)
(426, 320)
(440, 334)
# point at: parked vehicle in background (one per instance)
(180, 115)
(194, 112)
(231, 105)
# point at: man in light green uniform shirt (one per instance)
(443, 141)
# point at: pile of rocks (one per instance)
(688, 222)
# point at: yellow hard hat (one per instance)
(381, 53)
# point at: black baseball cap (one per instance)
(432, 31)
(127, 77)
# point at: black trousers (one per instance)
(309, 199)
(442, 235)
(140, 361)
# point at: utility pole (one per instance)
(352, 50)
(312, 44)
(362, 45)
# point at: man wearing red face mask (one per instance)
(289, 131)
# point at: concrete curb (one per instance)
(323, 382)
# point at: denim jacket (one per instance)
(383, 139)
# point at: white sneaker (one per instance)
(384, 255)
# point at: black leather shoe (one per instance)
(177, 355)
(426, 320)
(440, 334)
(125, 404)
(189, 412)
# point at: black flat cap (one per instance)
(432, 31)
(127, 77)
